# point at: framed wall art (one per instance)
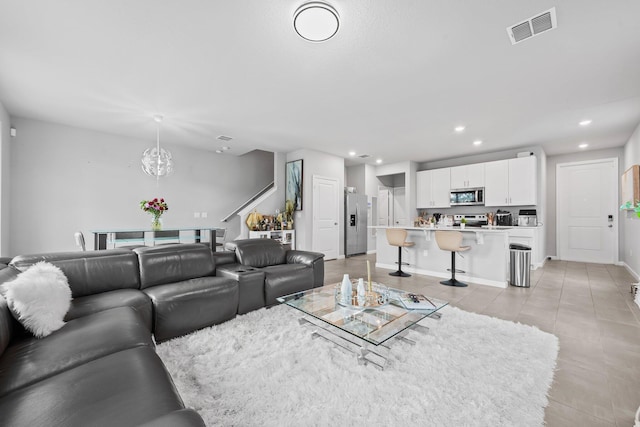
(630, 183)
(293, 188)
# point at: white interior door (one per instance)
(326, 207)
(587, 211)
(399, 208)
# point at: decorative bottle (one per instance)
(346, 290)
(361, 292)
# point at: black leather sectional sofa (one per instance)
(101, 368)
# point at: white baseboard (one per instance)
(630, 270)
(371, 252)
(444, 275)
(340, 257)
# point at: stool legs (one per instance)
(400, 273)
(453, 281)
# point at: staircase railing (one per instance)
(250, 201)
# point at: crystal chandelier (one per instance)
(157, 161)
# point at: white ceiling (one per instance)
(393, 82)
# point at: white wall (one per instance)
(408, 171)
(65, 179)
(552, 161)
(630, 253)
(5, 180)
(320, 164)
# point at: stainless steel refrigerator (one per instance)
(355, 224)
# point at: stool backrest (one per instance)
(396, 236)
(449, 240)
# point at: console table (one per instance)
(103, 239)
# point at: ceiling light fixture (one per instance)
(157, 161)
(459, 128)
(477, 142)
(352, 153)
(379, 161)
(583, 145)
(225, 148)
(585, 122)
(316, 21)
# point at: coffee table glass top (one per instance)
(372, 324)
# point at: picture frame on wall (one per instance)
(293, 187)
(630, 184)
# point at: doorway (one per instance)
(587, 211)
(326, 214)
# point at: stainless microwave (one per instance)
(467, 197)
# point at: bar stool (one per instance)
(397, 237)
(450, 241)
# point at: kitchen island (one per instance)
(486, 263)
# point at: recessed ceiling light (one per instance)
(219, 151)
(316, 21)
(225, 148)
(585, 122)
(379, 161)
(583, 145)
(477, 142)
(352, 153)
(459, 128)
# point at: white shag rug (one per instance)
(264, 369)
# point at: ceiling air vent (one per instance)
(364, 156)
(224, 138)
(533, 26)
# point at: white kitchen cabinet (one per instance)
(433, 188)
(467, 176)
(511, 182)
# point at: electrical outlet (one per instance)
(196, 214)
(204, 214)
(425, 253)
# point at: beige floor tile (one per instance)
(625, 396)
(583, 389)
(585, 353)
(559, 415)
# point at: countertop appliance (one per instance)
(503, 218)
(467, 197)
(473, 220)
(527, 218)
(355, 224)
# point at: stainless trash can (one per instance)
(520, 265)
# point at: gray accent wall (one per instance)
(65, 179)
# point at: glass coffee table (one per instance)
(367, 331)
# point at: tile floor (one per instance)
(590, 309)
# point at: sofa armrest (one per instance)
(223, 258)
(181, 418)
(303, 257)
(315, 260)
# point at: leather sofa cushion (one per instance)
(279, 282)
(260, 252)
(182, 307)
(127, 388)
(181, 418)
(90, 272)
(250, 285)
(79, 341)
(84, 306)
(6, 325)
(164, 264)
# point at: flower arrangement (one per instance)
(155, 207)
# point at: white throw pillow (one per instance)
(39, 298)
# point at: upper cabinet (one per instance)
(468, 176)
(433, 188)
(511, 182)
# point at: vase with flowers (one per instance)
(155, 207)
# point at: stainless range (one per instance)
(473, 220)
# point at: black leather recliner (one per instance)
(266, 270)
